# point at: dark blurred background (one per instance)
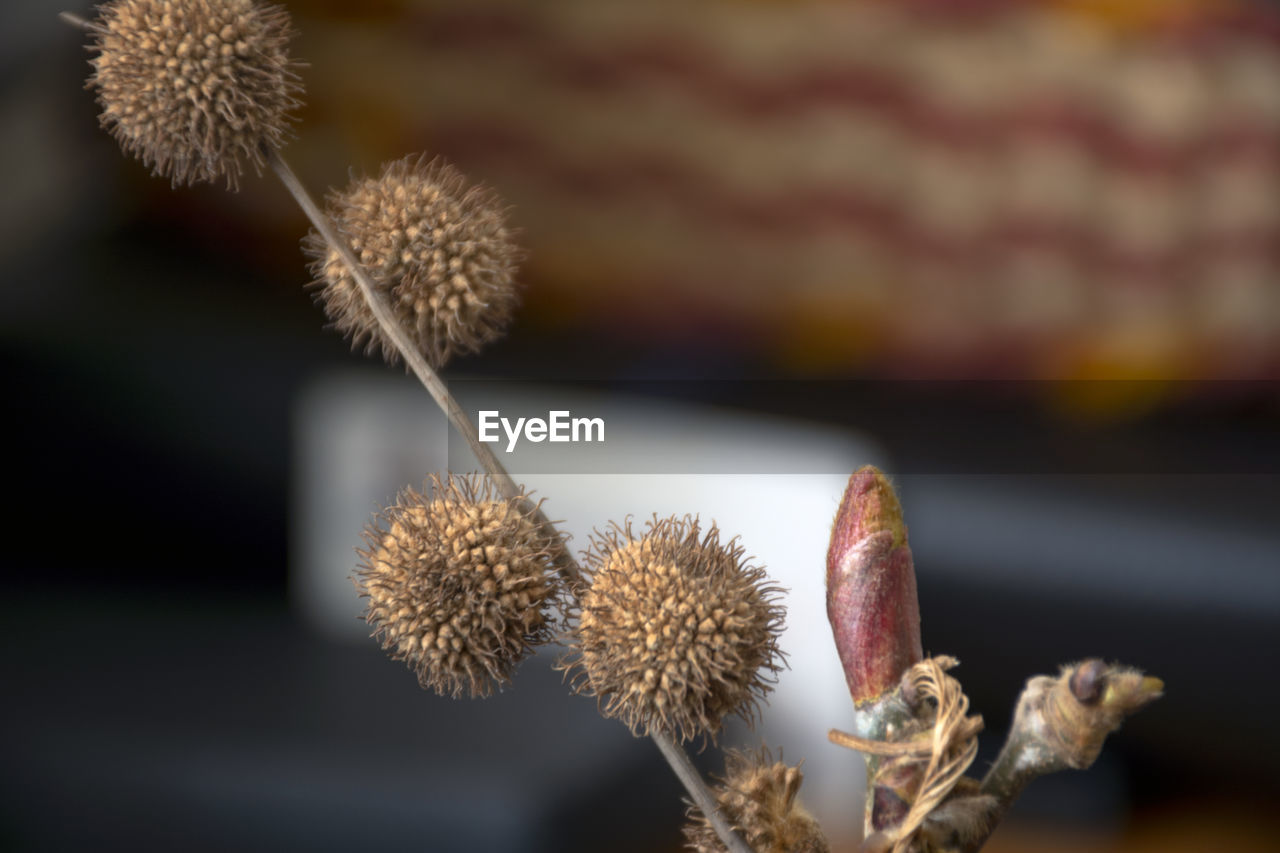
(1027, 248)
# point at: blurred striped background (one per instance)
(1073, 189)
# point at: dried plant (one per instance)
(439, 251)
(760, 796)
(912, 717)
(674, 629)
(195, 89)
(459, 584)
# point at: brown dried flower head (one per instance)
(758, 798)
(458, 584)
(440, 252)
(195, 87)
(675, 631)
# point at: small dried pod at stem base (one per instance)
(459, 583)
(439, 251)
(676, 630)
(871, 588)
(758, 796)
(195, 88)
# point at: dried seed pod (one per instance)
(758, 797)
(871, 588)
(458, 584)
(676, 630)
(194, 88)
(440, 253)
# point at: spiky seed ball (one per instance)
(194, 88)
(758, 797)
(440, 252)
(675, 631)
(459, 584)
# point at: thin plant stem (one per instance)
(675, 756)
(76, 21)
(702, 798)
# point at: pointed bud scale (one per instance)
(871, 588)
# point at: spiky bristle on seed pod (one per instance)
(439, 251)
(676, 630)
(459, 584)
(195, 88)
(758, 797)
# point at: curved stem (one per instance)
(568, 567)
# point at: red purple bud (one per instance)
(871, 588)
